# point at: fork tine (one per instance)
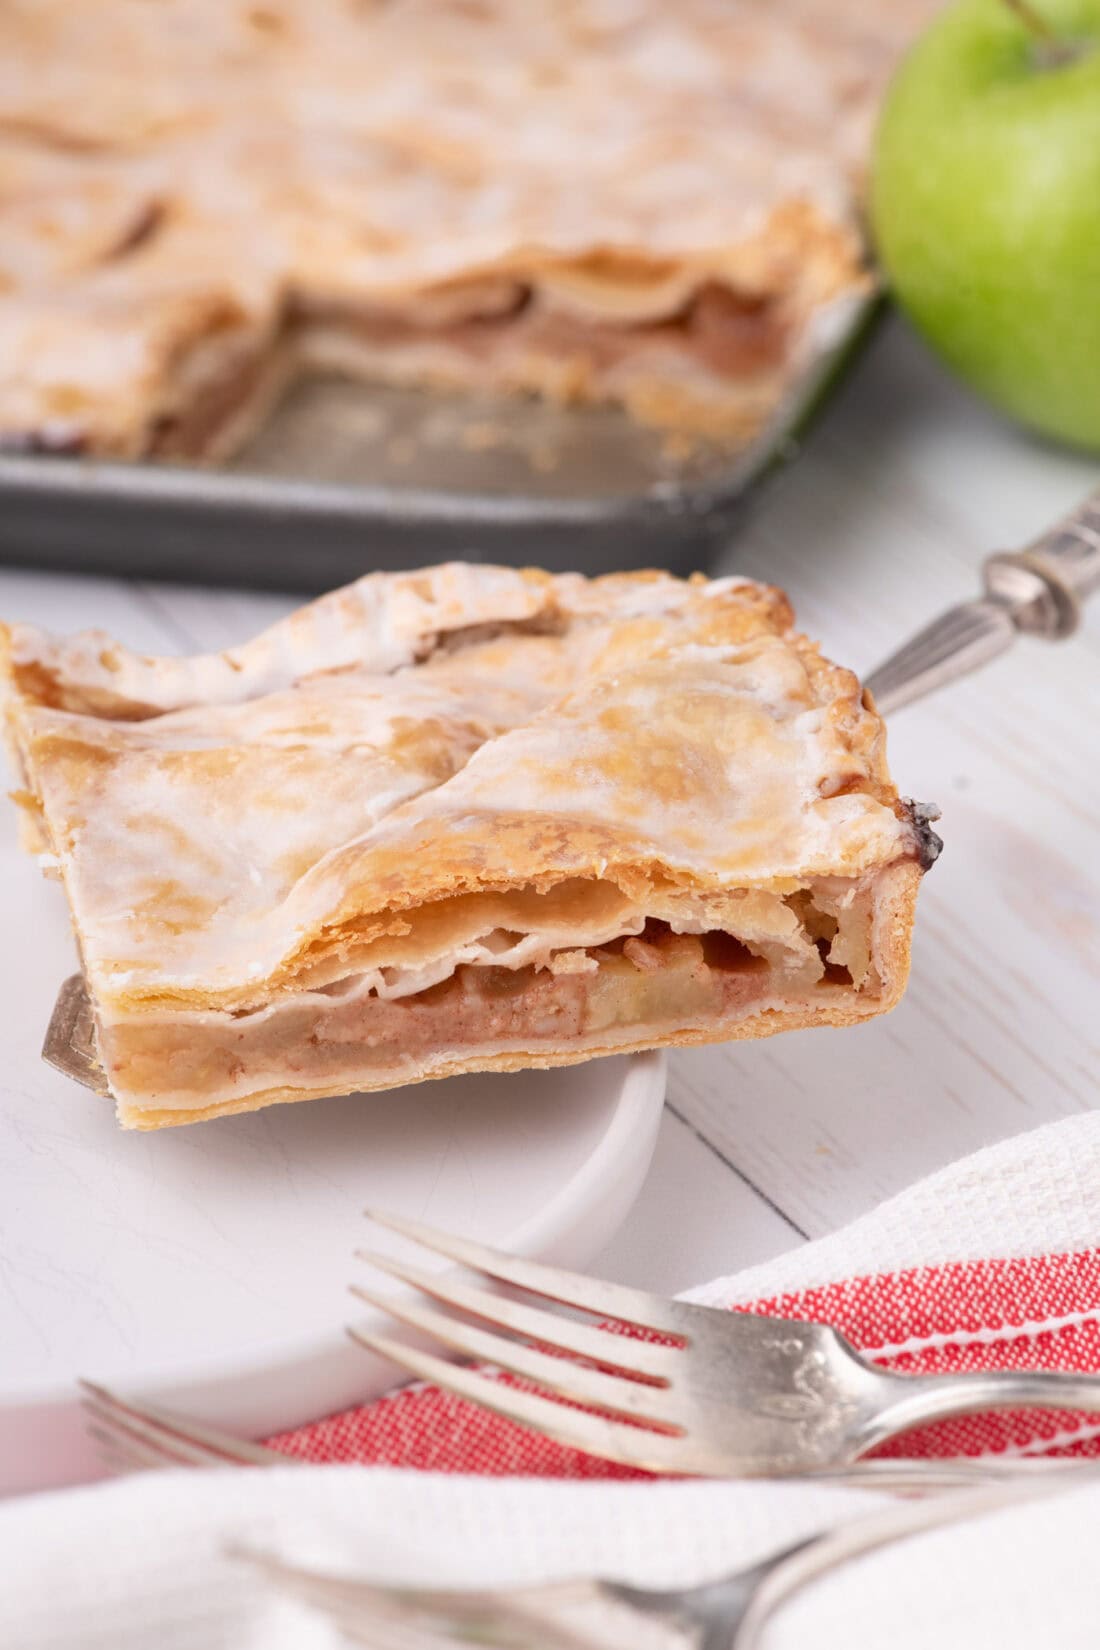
(618, 1441)
(336, 1592)
(163, 1428)
(120, 1458)
(483, 1615)
(123, 1452)
(351, 1607)
(143, 1442)
(609, 1300)
(646, 1405)
(363, 1621)
(643, 1358)
(138, 1451)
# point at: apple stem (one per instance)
(1049, 51)
(1031, 19)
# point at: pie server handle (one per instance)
(1037, 591)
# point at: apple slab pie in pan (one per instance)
(470, 818)
(630, 202)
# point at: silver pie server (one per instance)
(1037, 591)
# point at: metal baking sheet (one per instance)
(346, 478)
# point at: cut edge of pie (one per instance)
(551, 819)
(706, 344)
(693, 979)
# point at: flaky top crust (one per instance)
(232, 825)
(191, 173)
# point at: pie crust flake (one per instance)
(617, 201)
(468, 818)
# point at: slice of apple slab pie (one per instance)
(462, 819)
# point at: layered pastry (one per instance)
(463, 819)
(617, 201)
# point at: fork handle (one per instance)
(851, 1540)
(919, 1399)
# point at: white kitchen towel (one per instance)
(991, 1263)
(142, 1564)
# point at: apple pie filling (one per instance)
(336, 1035)
(498, 334)
(513, 336)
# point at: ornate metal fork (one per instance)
(727, 1613)
(709, 1392)
(1036, 592)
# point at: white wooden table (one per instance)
(883, 521)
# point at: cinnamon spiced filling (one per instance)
(586, 999)
(728, 334)
(223, 396)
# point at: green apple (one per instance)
(985, 203)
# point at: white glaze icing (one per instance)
(397, 770)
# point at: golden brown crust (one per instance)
(462, 767)
(760, 767)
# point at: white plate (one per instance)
(208, 1265)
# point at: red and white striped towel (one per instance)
(994, 1263)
